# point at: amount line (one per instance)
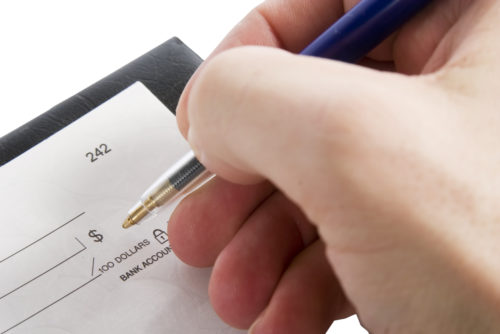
(36, 277)
(41, 238)
(46, 307)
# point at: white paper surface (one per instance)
(66, 264)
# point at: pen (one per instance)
(348, 39)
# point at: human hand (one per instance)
(388, 180)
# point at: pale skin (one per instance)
(346, 189)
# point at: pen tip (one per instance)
(135, 215)
(127, 223)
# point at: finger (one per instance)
(206, 220)
(249, 268)
(289, 25)
(307, 299)
(421, 46)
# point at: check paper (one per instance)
(66, 264)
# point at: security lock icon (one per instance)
(160, 236)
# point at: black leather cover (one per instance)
(165, 70)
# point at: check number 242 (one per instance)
(98, 152)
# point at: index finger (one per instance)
(286, 24)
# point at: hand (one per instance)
(354, 189)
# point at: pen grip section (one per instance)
(187, 173)
(172, 182)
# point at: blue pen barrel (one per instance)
(362, 28)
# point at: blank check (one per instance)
(66, 264)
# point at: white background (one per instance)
(52, 49)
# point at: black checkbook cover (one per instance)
(164, 70)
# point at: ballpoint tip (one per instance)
(127, 223)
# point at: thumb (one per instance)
(297, 121)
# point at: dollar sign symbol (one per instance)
(98, 237)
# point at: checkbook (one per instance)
(66, 180)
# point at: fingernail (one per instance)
(255, 328)
(251, 330)
(193, 141)
(198, 151)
